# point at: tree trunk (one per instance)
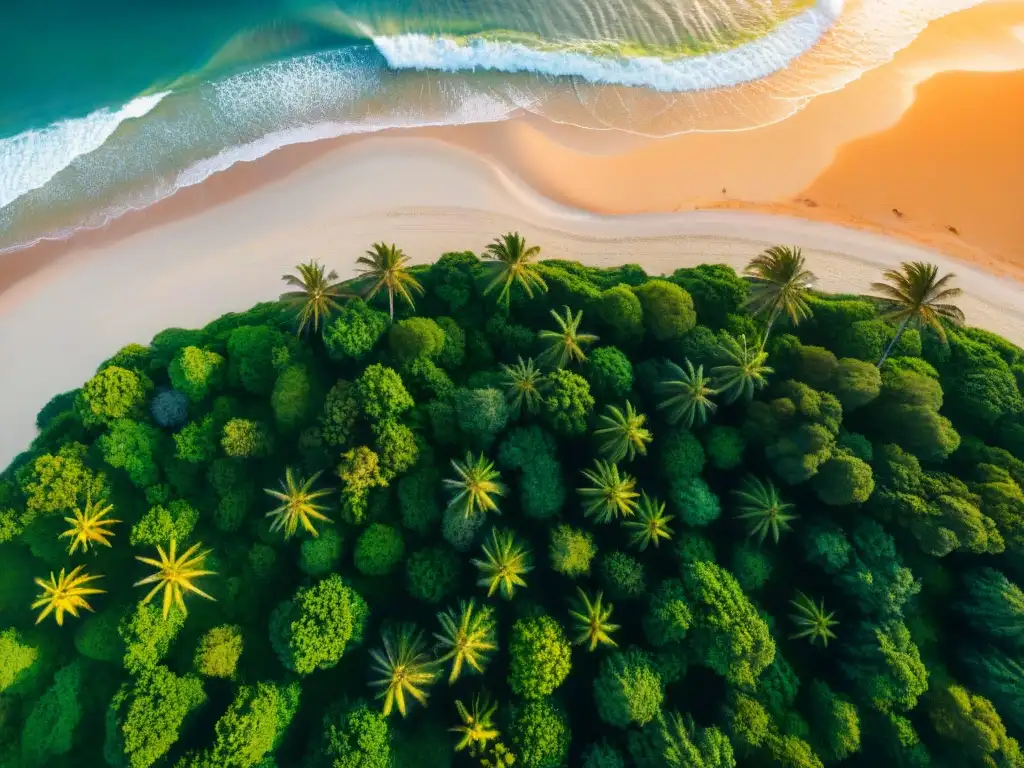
(899, 332)
(771, 321)
(391, 303)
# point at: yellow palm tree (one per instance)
(65, 594)
(317, 296)
(404, 667)
(175, 575)
(385, 266)
(477, 727)
(89, 525)
(299, 504)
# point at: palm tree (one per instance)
(175, 575)
(610, 495)
(299, 505)
(317, 296)
(689, 394)
(523, 384)
(744, 370)
(467, 637)
(919, 298)
(477, 726)
(623, 435)
(512, 262)
(566, 344)
(476, 486)
(780, 285)
(385, 266)
(65, 594)
(592, 622)
(404, 668)
(763, 508)
(651, 524)
(812, 621)
(89, 525)
(505, 563)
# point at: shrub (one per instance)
(381, 393)
(716, 289)
(571, 551)
(856, 383)
(341, 409)
(622, 315)
(540, 657)
(541, 486)
(844, 479)
(610, 373)
(354, 331)
(432, 573)
(481, 414)
(724, 447)
(418, 499)
(567, 403)
(628, 689)
(18, 659)
(668, 309)
(623, 576)
(751, 567)
(602, 755)
(378, 550)
(244, 438)
(133, 447)
(868, 339)
(218, 651)
(397, 448)
(415, 337)
(292, 398)
(453, 351)
(196, 372)
(113, 393)
(668, 617)
(319, 555)
(681, 454)
(161, 524)
(251, 357)
(694, 501)
(540, 735)
(169, 408)
(356, 737)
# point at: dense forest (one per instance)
(505, 511)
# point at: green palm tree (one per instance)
(611, 494)
(299, 504)
(404, 667)
(688, 395)
(65, 594)
(477, 484)
(317, 296)
(175, 575)
(385, 267)
(511, 262)
(467, 637)
(523, 384)
(566, 344)
(477, 726)
(504, 564)
(623, 434)
(780, 285)
(651, 523)
(591, 618)
(89, 526)
(763, 509)
(812, 621)
(743, 371)
(918, 298)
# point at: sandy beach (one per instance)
(934, 135)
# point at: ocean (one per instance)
(112, 105)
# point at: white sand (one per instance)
(58, 324)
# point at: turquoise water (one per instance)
(118, 103)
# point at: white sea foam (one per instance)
(744, 63)
(32, 158)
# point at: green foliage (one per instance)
(623, 576)
(571, 551)
(855, 382)
(18, 660)
(161, 524)
(197, 372)
(147, 636)
(540, 734)
(732, 639)
(668, 309)
(609, 372)
(381, 393)
(321, 554)
(196, 443)
(245, 439)
(885, 666)
(432, 573)
(973, 724)
(693, 501)
(341, 409)
(218, 651)
(292, 398)
(133, 447)
(418, 499)
(397, 448)
(169, 408)
(50, 724)
(628, 689)
(540, 657)
(751, 566)
(567, 403)
(378, 550)
(313, 629)
(356, 737)
(668, 617)
(251, 357)
(146, 715)
(602, 755)
(622, 314)
(844, 479)
(253, 725)
(481, 414)
(716, 289)
(112, 394)
(415, 337)
(359, 472)
(994, 606)
(541, 487)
